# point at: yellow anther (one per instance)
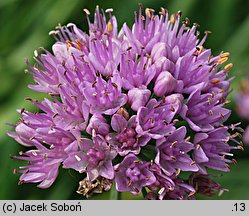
(222, 60)
(172, 18)
(149, 12)
(199, 49)
(215, 81)
(69, 44)
(225, 54)
(228, 67)
(211, 112)
(78, 44)
(178, 172)
(109, 26)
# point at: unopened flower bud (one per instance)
(23, 134)
(158, 50)
(165, 84)
(99, 124)
(138, 97)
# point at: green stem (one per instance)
(119, 197)
(144, 192)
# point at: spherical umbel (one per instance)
(129, 109)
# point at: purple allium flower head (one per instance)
(138, 107)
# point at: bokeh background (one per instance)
(24, 27)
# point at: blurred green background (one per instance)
(24, 27)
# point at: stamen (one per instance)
(173, 144)
(240, 147)
(106, 93)
(172, 108)
(97, 73)
(149, 12)
(22, 110)
(228, 67)
(129, 183)
(77, 158)
(187, 139)
(199, 49)
(178, 171)
(20, 182)
(162, 11)
(70, 25)
(93, 133)
(114, 85)
(198, 146)
(225, 54)
(172, 18)
(227, 102)
(221, 115)
(36, 53)
(34, 153)
(109, 26)
(234, 161)
(212, 94)
(156, 106)
(56, 114)
(135, 189)
(78, 44)
(191, 193)
(173, 157)
(222, 60)
(165, 122)
(211, 113)
(187, 21)
(215, 81)
(109, 10)
(86, 11)
(123, 112)
(69, 44)
(161, 191)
